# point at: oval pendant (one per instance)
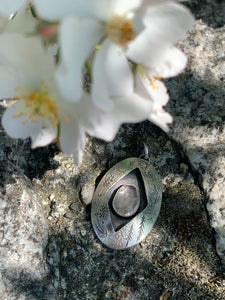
(126, 203)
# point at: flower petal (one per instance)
(128, 109)
(78, 37)
(123, 7)
(72, 139)
(9, 7)
(8, 82)
(3, 22)
(162, 25)
(112, 75)
(172, 62)
(23, 22)
(76, 118)
(30, 62)
(161, 118)
(168, 21)
(55, 10)
(149, 87)
(43, 138)
(19, 127)
(87, 113)
(154, 90)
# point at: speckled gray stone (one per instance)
(23, 239)
(198, 106)
(177, 256)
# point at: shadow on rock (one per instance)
(82, 268)
(194, 102)
(26, 286)
(177, 256)
(16, 158)
(211, 12)
(40, 160)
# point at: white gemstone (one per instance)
(126, 201)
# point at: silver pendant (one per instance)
(126, 203)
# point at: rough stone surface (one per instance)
(198, 106)
(23, 236)
(179, 254)
(48, 249)
(178, 257)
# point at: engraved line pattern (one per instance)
(135, 230)
(141, 227)
(130, 235)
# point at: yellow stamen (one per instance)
(120, 30)
(141, 69)
(151, 79)
(39, 104)
(29, 4)
(67, 120)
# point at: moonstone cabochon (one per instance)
(130, 231)
(126, 201)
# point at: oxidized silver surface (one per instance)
(126, 203)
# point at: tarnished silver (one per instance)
(126, 203)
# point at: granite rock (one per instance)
(198, 106)
(23, 239)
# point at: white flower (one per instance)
(16, 16)
(146, 102)
(9, 7)
(27, 76)
(126, 31)
(149, 85)
(130, 108)
(153, 88)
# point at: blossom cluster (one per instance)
(125, 46)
